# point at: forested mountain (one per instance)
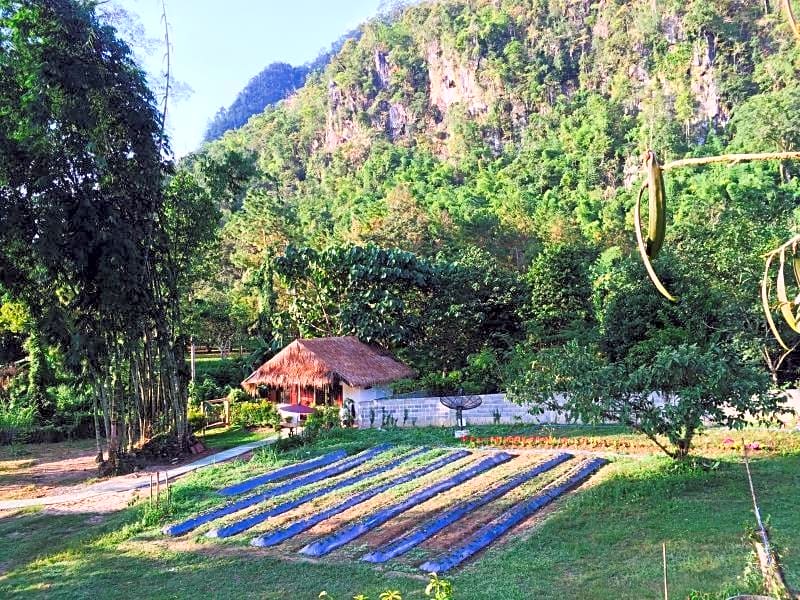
(509, 124)
(276, 82)
(273, 84)
(506, 133)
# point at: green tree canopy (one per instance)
(84, 241)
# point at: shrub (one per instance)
(437, 589)
(197, 419)
(70, 398)
(238, 395)
(285, 444)
(328, 416)
(255, 414)
(207, 389)
(404, 386)
(14, 421)
(227, 372)
(454, 382)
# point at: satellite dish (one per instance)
(460, 404)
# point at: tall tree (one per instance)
(82, 213)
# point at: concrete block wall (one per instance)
(791, 418)
(423, 412)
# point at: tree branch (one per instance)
(168, 74)
(730, 158)
(787, 8)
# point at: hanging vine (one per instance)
(649, 247)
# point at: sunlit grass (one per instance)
(603, 541)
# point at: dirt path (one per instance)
(36, 470)
(106, 495)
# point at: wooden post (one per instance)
(158, 487)
(151, 489)
(664, 560)
(169, 492)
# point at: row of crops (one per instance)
(328, 502)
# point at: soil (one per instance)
(304, 510)
(37, 470)
(447, 539)
(469, 489)
(463, 528)
(417, 515)
(364, 509)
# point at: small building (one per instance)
(326, 371)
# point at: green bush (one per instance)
(285, 444)
(481, 376)
(207, 389)
(238, 395)
(405, 386)
(15, 421)
(326, 417)
(78, 424)
(197, 419)
(437, 589)
(454, 382)
(227, 372)
(255, 414)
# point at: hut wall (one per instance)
(362, 395)
(301, 395)
(312, 396)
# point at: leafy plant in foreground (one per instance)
(437, 589)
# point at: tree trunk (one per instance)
(99, 457)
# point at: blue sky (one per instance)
(218, 45)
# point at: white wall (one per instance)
(361, 395)
(429, 411)
(792, 406)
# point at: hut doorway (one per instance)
(329, 395)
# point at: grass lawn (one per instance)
(223, 438)
(600, 542)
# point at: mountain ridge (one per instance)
(504, 124)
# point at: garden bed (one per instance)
(628, 509)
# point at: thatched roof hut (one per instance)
(327, 361)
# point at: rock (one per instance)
(381, 69)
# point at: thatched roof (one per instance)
(323, 361)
